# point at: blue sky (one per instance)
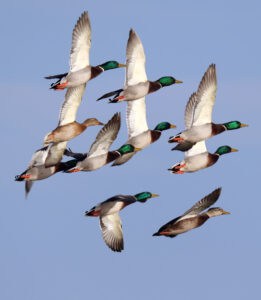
(49, 250)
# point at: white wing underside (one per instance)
(112, 231)
(200, 106)
(73, 98)
(135, 73)
(38, 158)
(81, 43)
(55, 153)
(198, 148)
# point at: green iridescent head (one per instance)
(144, 196)
(127, 148)
(234, 125)
(168, 80)
(224, 150)
(164, 126)
(112, 64)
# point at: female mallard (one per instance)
(69, 131)
(198, 158)
(99, 154)
(80, 69)
(37, 170)
(137, 86)
(194, 217)
(110, 221)
(198, 115)
(139, 135)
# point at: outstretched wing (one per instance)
(38, 157)
(55, 154)
(190, 110)
(81, 43)
(73, 98)
(106, 136)
(112, 231)
(202, 204)
(206, 95)
(135, 73)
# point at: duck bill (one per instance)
(178, 81)
(100, 123)
(137, 149)
(243, 125)
(234, 150)
(154, 195)
(172, 126)
(226, 212)
(122, 65)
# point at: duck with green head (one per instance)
(198, 115)
(110, 222)
(198, 158)
(194, 217)
(99, 154)
(80, 70)
(143, 140)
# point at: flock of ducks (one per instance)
(198, 127)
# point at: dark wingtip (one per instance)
(156, 234)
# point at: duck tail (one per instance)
(183, 146)
(28, 186)
(114, 93)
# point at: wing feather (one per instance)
(73, 98)
(112, 231)
(198, 148)
(81, 43)
(55, 154)
(106, 136)
(190, 110)
(206, 95)
(202, 204)
(38, 157)
(135, 73)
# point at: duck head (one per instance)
(167, 80)
(224, 150)
(164, 126)
(91, 122)
(112, 64)
(144, 196)
(216, 211)
(234, 125)
(127, 148)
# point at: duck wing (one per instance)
(206, 95)
(135, 73)
(81, 43)
(38, 157)
(202, 204)
(106, 136)
(112, 231)
(198, 148)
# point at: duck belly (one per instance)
(66, 132)
(197, 133)
(134, 92)
(92, 163)
(196, 162)
(79, 77)
(40, 172)
(141, 140)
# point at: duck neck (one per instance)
(95, 71)
(217, 128)
(154, 86)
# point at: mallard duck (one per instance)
(198, 114)
(194, 217)
(110, 221)
(139, 134)
(80, 69)
(99, 154)
(69, 131)
(37, 170)
(137, 86)
(198, 158)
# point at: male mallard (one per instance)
(198, 158)
(198, 114)
(99, 154)
(37, 170)
(80, 69)
(137, 86)
(194, 217)
(139, 135)
(110, 221)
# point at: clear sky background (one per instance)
(49, 249)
